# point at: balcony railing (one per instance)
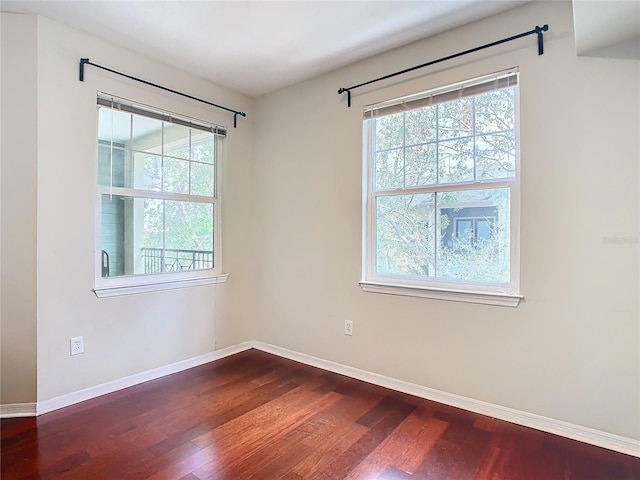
(157, 260)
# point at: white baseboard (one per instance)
(109, 387)
(39, 408)
(606, 440)
(591, 436)
(12, 410)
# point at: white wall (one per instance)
(571, 350)
(19, 155)
(122, 335)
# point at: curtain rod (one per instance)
(85, 61)
(538, 30)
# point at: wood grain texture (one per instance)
(258, 416)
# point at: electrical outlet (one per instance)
(77, 345)
(348, 327)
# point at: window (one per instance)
(463, 226)
(442, 193)
(158, 203)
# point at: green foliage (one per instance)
(476, 259)
(405, 235)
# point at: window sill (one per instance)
(499, 299)
(114, 291)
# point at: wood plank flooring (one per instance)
(259, 416)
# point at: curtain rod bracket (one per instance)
(538, 30)
(85, 61)
(82, 63)
(348, 91)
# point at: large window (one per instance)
(158, 202)
(441, 203)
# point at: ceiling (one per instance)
(256, 47)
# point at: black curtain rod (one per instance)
(85, 61)
(537, 30)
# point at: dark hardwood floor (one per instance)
(258, 416)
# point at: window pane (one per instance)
(389, 169)
(189, 225)
(129, 227)
(464, 228)
(114, 125)
(476, 248)
(496, 156)
(112, 239)
(420, 125)
(405, 232)
(202, 179)
(455, 160)
(389, 131)
(495, 111)
(147, 171)
(455, 119)
(147, 134)
(202, 147)
(141, 235)
(188, 236)
(148, 221)
(483, 229)
(176, 141)
(421, 162)
(111, 165)
(175, 175)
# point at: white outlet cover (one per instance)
(348, 327)
(76, 345)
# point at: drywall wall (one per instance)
(128, 334)
(571, 350)
(18, 156)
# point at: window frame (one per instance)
(145, 282)
(502, 294)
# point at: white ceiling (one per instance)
(256, 47)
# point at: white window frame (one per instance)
(504, 294)
(142, 283)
